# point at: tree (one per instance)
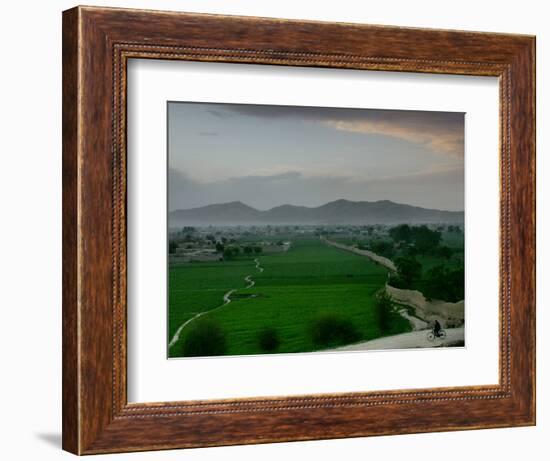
(258, 249)
(384, 307)
(408, 270)
(444, 251)
(248, 250)
(425, 239)
(172, 247)
(219, 247)
(229, 252)
(382, 247)
(401, 233)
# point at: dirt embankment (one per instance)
(448, 314)
(387, 263)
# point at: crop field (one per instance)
(296, 291)
(198, 287)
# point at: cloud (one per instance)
(438, 138)
(440, 132)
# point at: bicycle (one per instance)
(432, 335)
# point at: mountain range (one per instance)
(332, 213)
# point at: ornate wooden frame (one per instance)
(97, 43)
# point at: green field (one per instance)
(295, 290)
(198, 287)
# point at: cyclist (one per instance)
(437, 328)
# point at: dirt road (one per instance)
(411, 340)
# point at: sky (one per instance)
(267, 155)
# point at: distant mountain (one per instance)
(337, 212)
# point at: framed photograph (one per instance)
(284, 230)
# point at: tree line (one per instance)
(438, 282)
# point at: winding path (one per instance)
(226, 300)
(260, 268)
(250, 282)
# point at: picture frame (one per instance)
(97, 44)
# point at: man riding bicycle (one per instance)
(436, 331)
(437, 328)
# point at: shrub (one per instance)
(269, 340)
(331, 329)
(205, 338)
(384, 309)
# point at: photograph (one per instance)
(297, 229)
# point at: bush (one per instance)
(269, 340)
(331, 329)
(205, 338)
(384, 308)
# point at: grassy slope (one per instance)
(295, 287)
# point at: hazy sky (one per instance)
(267, 156)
